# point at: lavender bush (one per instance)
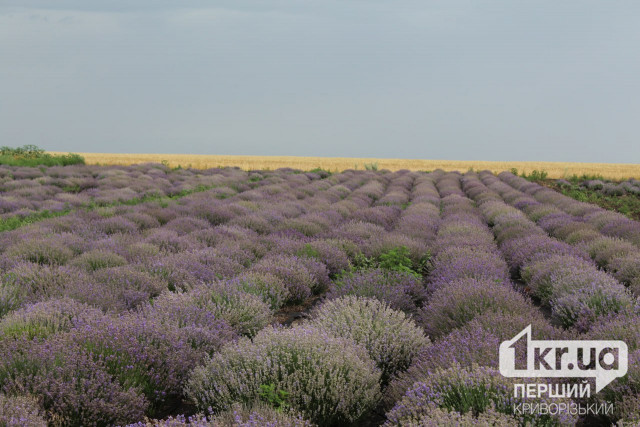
(40, 320)
(330, 254)
(401, 290)
(152, 352)
(477, 342)
(255, 415)
(461, 301)
(576, 291)
(622, 326)
(330, 380)
(269, 288)
(27, 283)
(258, 415)
(41, 252)
(72, 387)
(195, 325)
(604, 249)
(391, 339)
(129, 286)
(293, 272)
(627, 270)
(245, 312)
(17, 411)
(624, 392)
(98, 259)
(463, 390)
(457, 263)
(436, 416)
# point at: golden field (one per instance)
(202, 161)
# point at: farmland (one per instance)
(153, 295)
(554, 169)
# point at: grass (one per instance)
(335, 164)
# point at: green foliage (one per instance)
(275, 398)
(31, 155)
(371, 166)
(324, 173)
(535, 175)
(362, 262)
(71, 188)
(424, 264)
(395, 259)
(26, 151)
(308, 251)
(577, 179)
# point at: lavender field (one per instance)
(145, 295)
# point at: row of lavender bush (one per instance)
(563, 276)
(26, 190)
(610, 240)
(609, 223)
(472, 307)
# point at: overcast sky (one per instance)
(467, 80)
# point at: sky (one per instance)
(459, 80)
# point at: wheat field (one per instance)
(202, 161)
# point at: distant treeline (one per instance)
(31, 155)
